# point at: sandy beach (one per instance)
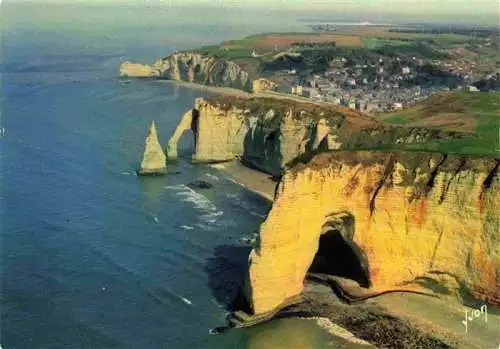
(253, 180)
(240, 93)
(208, 88)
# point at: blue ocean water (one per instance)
(92, 255)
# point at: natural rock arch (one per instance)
(189, 122)
(186, 145)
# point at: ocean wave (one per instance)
(214, 214)
(176, 187)
(256, 214)
(211, 217)
(218, 166)
(185, 300)
(237, 201)
(234, 181)
(199, 201)
(204, 227)
(187, 227)
(214, 177)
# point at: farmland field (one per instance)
(372, 42)
(285, 41)
(352, 37)
(477, 114)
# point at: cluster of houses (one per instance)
(381, 86)
(319, 88)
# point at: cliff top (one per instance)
(261, 105)
(429, 162)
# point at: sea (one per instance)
(93, 256)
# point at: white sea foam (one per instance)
(175, 187)
(256, 214)
(212, 176)
(187, 227)
(218, 166)
(234, 181)
(214, 214)
(204, 227)
(236, 200)
(156, 219)
(199, 201)
(185, 300)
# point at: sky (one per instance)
(477, 11)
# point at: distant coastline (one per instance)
(363, 23)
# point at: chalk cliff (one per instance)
(407, 218)
(193, 67)
(154, 159)
(269, 134)
(137, 70)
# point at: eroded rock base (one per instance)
(152, 173)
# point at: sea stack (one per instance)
(154, 160)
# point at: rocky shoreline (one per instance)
(352, 213)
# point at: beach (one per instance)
(253, 180)
(207, 88)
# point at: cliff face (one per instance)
(136, 70)
(154, 160)
(270, 134)
(218, 133)
(193, 67)
(422, 218)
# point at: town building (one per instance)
(397, 106)
(351, 82)
(471, 88)
(297, 89)
(310, 92)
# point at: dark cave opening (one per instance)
(336, 257)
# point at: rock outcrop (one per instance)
(195, 68)
(262, 85)
(136, 70)
(154, 159)
(269, 134)
(406, 218)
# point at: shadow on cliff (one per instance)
(226, 270)
(262, 149)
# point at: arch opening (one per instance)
(186, 145)
(338, 255)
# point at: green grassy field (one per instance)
(479, 109)
(236, 51)
(372, 42)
